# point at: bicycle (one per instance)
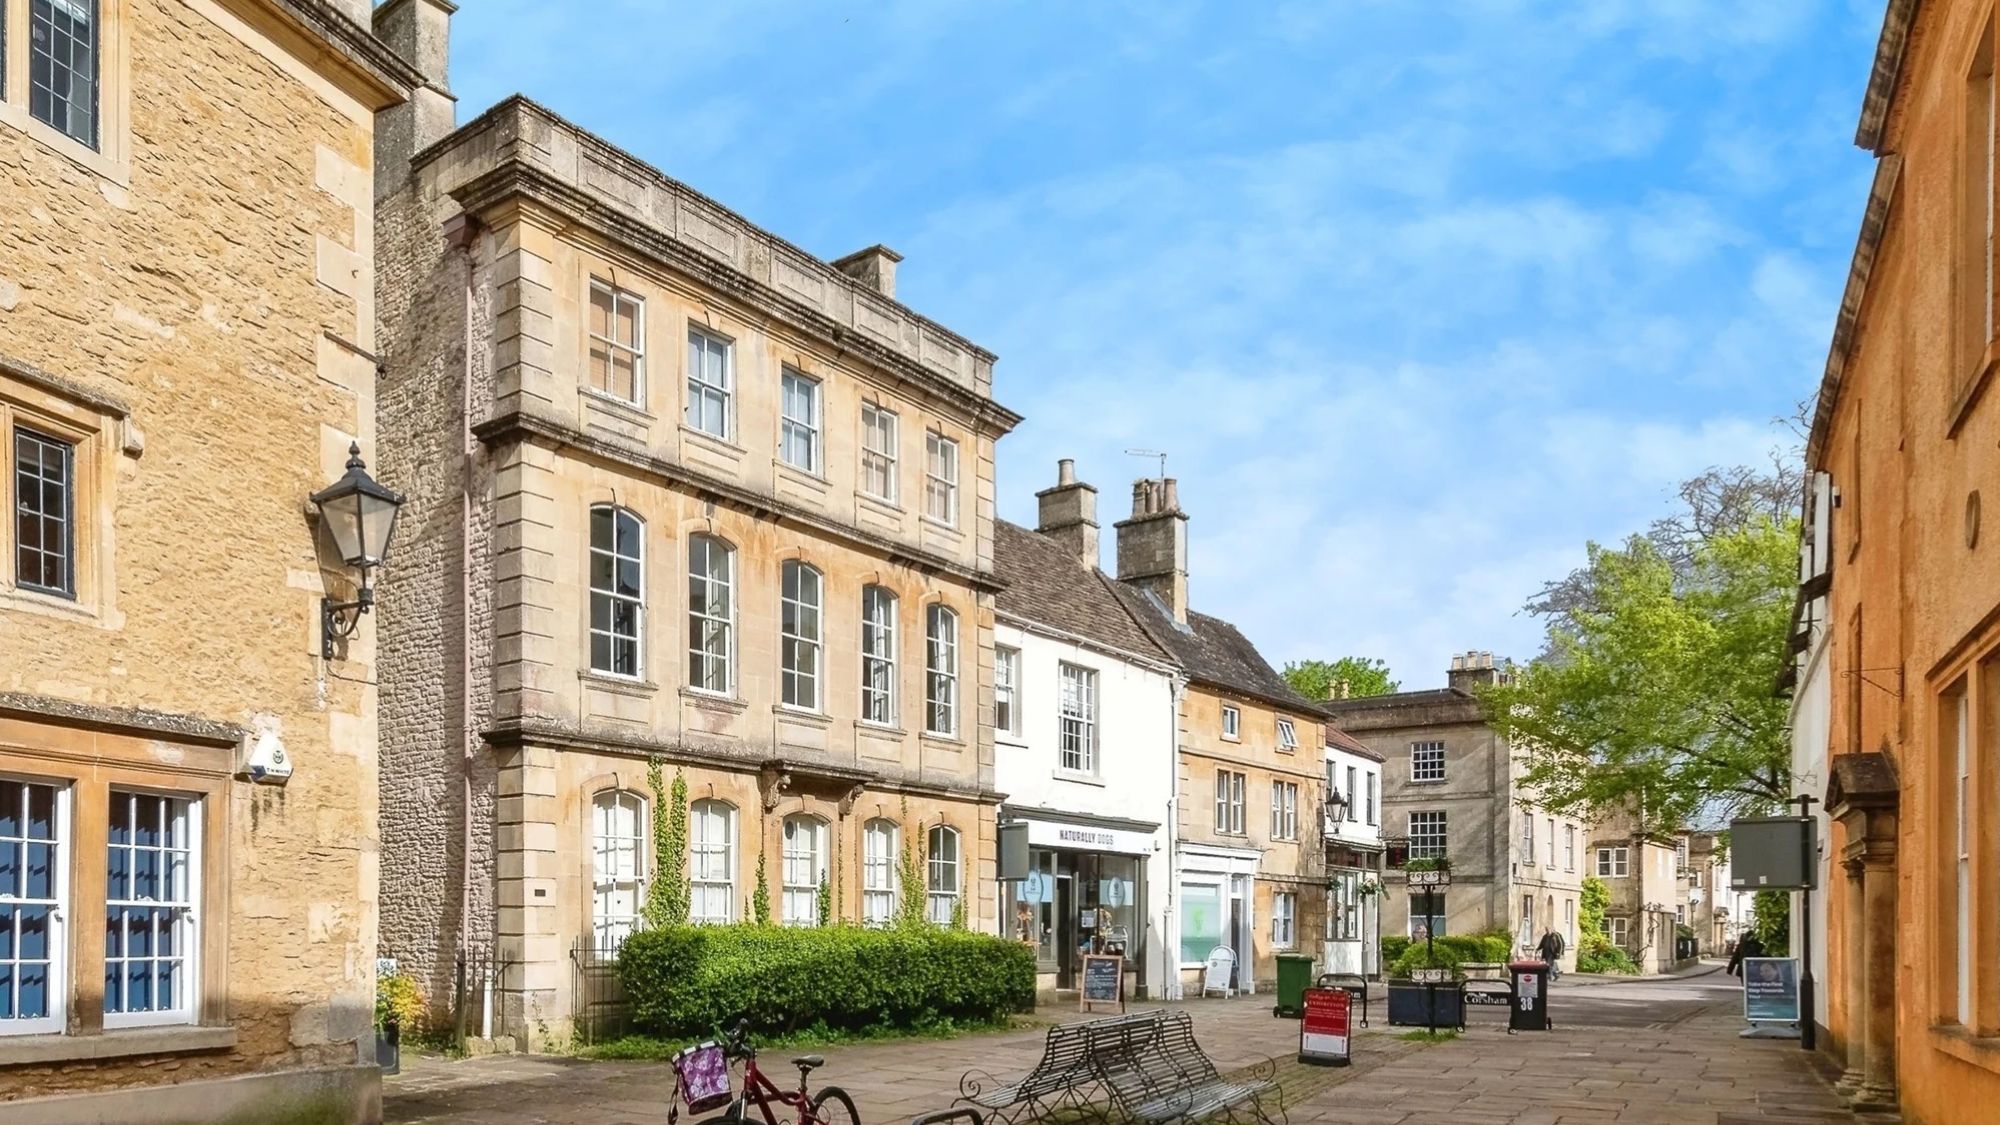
(701, 1080)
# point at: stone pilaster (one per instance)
(526, 943)
(1854, 938)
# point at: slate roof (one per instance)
(1341, 740)
(1049, 585)
(1214, 652)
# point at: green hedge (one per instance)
(1393, 947)
(694, 980)
(1450, 951)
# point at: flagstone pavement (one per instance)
(1653, 1052)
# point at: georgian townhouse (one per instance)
(1083, 732)
(688, 494)
(187, 335)
(1351, 833)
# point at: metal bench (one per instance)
(1063, 1078)
(1159, 1075)
(1354, 984)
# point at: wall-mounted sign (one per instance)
(1089, 838)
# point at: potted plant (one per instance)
(397, 1004)
(1411, 1003)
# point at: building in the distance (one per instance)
(1703, 891)
(679, 492)
(1351, 834)
(1248, 871)
(187, 356)
(1451, 788)
(1083, 733)
(1640, 866)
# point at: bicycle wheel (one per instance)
(832, 1106)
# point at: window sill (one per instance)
(941, 525)
(1078, 778)
(623, 685)
(1427, 781)
(710, 701)
(1954, 1040)
(110, 168)
(1232, 738)
(1009, 738)
(807, 477)
(949, 741)
(47, 605)
(801, 715)
(886, 503)
(120, 1044)
(880, 730)
(723, 446)
(611, 404)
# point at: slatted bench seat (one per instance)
(1159, 1075)
(1064, 1077)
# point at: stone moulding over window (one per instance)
(88, 430)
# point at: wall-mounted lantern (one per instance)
(361, 516)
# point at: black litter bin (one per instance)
(1530, 1008)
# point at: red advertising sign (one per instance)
(1325, 1026)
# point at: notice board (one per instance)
(1325, 1025)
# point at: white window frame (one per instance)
(879, 608)
(1373, 812)
(940, 478)
(803, 846)
(1343, 917)
(1007, 690)
(1284, 810)
(188, 920)
(1618, 930)
(1353, 813)
(608, 929)
(1232, 722)
(1614, 862)
(944, 860)
(880, 428)
(1288, 736)
(1437, 842)
(706, 626)
(1569, 921)
(799, 413)
(1569, 847)
(1229, 812)
(1427, 762)
(801, 627)
(711, 861)
(1077, 727)
(706, 387)
(613, 346)
(881, 852)
(941, 670)
(611, 597)
(1284, 920)
(61, 838)
(1528, 838)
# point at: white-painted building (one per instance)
(1084, 749)
(1811, 721)
(1351, 832)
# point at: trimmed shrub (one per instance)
(1392, 948)
(695, 980)
(1600, 956)
(1450, 952)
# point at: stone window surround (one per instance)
(90, 762)
(111, 159)
(1964, 686)
(53, 406)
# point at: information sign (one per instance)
(1103, 981)
(1770, 990)
(1325, 1025)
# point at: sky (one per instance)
(1417, 297)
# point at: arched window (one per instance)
(712, 862)
(618, 866)
(804, 867)
(878, 656)
(940, 670)
(711, 615)
(617, 590)
(799, 635)
(881, 841)
(941, 879)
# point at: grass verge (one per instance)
(1424, 1035)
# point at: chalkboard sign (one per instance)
(1103, 981)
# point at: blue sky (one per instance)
(1417, 297)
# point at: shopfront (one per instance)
(1085, 893)
(1218, 908)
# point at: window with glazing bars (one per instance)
(1427, 761)
(33, 859)
(63, 66)
(799, 636)
(617, 590)
(1427, 834)
(617, 342)
(1284, 810)
(878, 452)
(1229, 802)
(1079, 719)
(44, 514)
(941, 478)
(711, 614)
(940, 670)
(709, 380)
(150, 910)
(1006, 691)
(798, 421)
(878, 656)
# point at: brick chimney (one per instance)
(1152, 545)
(1471, 670)
(875, 266)
(1069, 513)
(420, 31)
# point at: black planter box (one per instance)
(389, 1049)
(1409, 1007)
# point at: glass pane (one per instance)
(602, 567)
(600, 652)
(6, 991)
(145, 821)
(146, 875)
(34, 1001)
(11, 800)
(121, 819)
(41, 870)
(34, 932)
(139, 986)
(600, 528)
(41, 812)
(628, 323)
(600, 311)
(628, 577)
(11, 874)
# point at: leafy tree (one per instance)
(1657, 692)
(667, 898)
(1364, 675)
(1771, 921)
(1594, 951)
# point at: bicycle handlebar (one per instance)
(737, 1042)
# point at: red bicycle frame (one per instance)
(756, 1086)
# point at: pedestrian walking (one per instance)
(1746, 946)
(1551, 948)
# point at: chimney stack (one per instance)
(1471, 670)
(1069, 513)
(419, 31)
(874, 266)
(1152, 545)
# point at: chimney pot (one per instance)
(1152, 545)
(1065, 471)
(1067, 513)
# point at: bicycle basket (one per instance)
(703, 1070)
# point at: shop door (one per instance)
(1066, 930)
(1239, 930)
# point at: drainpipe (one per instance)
(1170, 953)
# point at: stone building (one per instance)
(1451, 788)
(1247, 875)
(187, 329)
(1083, 731)
(1640, 868)
(1907, 429)
(1703, 883)
(680, 492)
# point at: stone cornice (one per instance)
(519, 149)
(1874, 220)
(1890, 50)
(140, 721)
(64, 387)
(325, 38)
(748, 760)
(555, 434)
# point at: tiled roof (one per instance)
(1049, 585)
(1341, 740)
(1214, 652)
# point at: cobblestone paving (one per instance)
(1641, 1053)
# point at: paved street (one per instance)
(1638, 1052)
